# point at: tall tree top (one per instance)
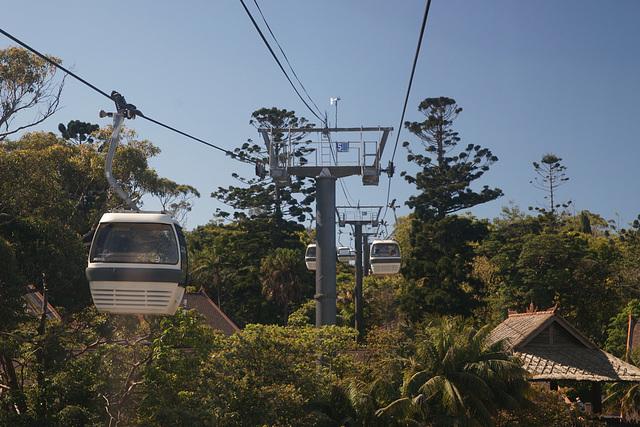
(445, 180)
(261, 196)
(551, 175)
(435, 132)
(440, 108)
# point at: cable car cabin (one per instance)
(345, 254)
(385, 257)
(137, 264)
(310, 256)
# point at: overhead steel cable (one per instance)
(255, 24)
(406, 99)
(413, 70)
(112, 98)
(55, 64)
(286, 59)
(227, 152)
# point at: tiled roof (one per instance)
(553, 349)
(214, 317)
(34, 301)
(517, 328)
(577, 364)
(520, 329)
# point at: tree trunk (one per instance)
(11, 379)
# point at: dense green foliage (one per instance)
(282, 278)
(441, 245)
(440, 266)
(526, 262)
(227, 259)
(78, 131)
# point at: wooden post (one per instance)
(596, 396)
(629, 332)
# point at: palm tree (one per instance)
(282, 278)
(456, 377)
(209, 268)
(624, 397)
(356, 403)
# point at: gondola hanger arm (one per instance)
(123, 110)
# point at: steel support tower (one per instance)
(293, 152)
(359, 217)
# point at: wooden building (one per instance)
(553, 350)
(633, 336)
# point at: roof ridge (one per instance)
(513, 314)
(532, 309)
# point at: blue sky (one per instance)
(532, 78)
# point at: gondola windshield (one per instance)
(136, 243)
(345, 254)
(385, 250)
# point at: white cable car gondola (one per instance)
(138, 260)
(385, 257)
(345, 254)
(137, 264)
(310, 256)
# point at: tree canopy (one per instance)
(26, 82)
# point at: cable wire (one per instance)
(287, 59)
(111, 97)
(406, 99)
(227, 152)
(413, 70)
(55, 64)
(255, 24)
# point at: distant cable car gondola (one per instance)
(310, 256)
(385, 257)
(137, 264)
(345, 254)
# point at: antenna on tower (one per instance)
(335, 101)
